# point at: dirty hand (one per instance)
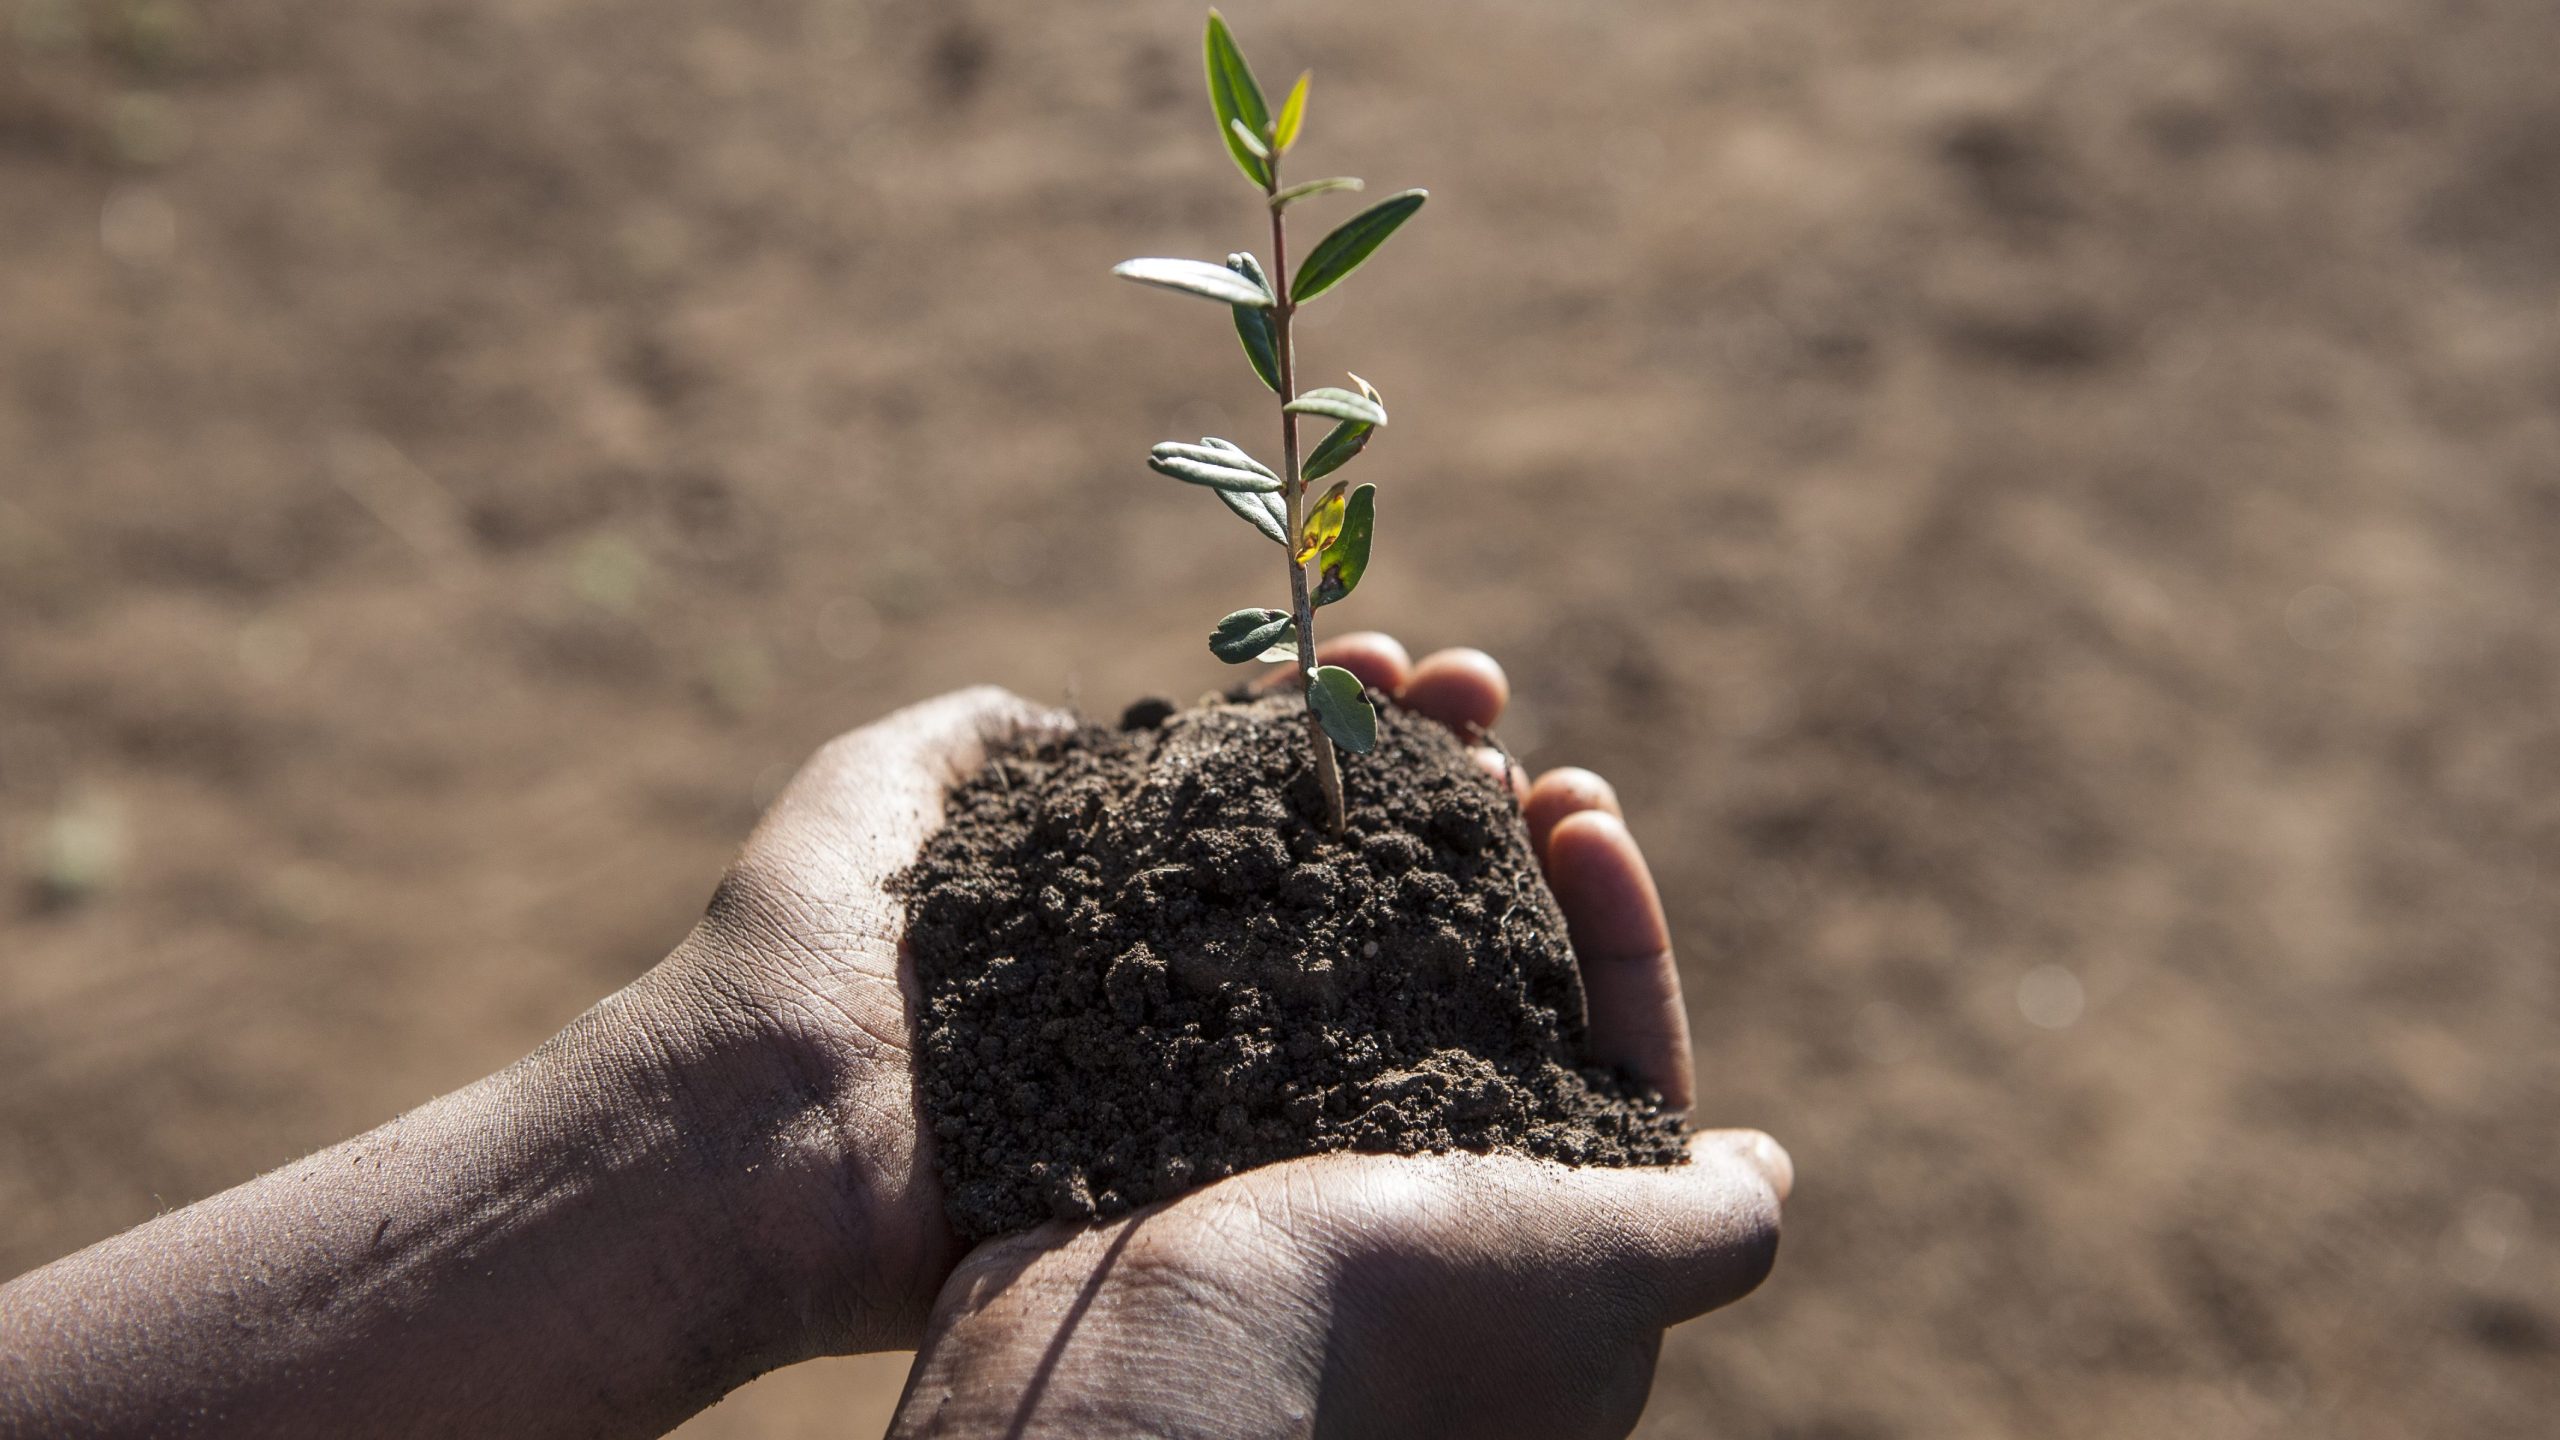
(1477, 1296)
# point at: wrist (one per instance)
(798, 1148)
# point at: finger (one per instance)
(1703, 1234)
(1615, 918)
(1673, 1241)
(1462, 689)
(1757, 1149)
(1565, 790)
(1379, 660)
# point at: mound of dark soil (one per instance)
(1146, 966)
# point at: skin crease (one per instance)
(721, 1170)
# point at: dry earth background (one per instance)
(2049, 510)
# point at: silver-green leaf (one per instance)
(1244, 635)
(1264, 511)
(1341, 252)
(1225, 454)
(1334, 694)
(1303, 189)
(1335, 404)
(1195, 277)
(1216, 477)
(1253, 323)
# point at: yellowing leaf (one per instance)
(1293, 114)
(1323, 524)
(1346, 559)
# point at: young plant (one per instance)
(1326, 538)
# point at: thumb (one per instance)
(878, 791)
(1701, 1235)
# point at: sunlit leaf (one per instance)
(1264, 511)
(1245, 634)
(1346, 558)
(1281, 654)
(1249, 140)
(1234, 96)
(1293, 114)
(1213, 475)
(1337, 449)
(1322, 525)
(1195, 277)
(1296, 193)
(1345, 441)
(1214, 451)
(1341, 252)
(1334, 694)
(1337, 404)
(1253, 324)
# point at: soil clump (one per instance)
(1146, 966)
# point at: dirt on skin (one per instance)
(1147, 966)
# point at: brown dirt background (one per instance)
(2034, 501)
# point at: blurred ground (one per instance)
(2049, 510)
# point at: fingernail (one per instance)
(1774, 1162)
(1757, 1150)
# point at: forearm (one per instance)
(555, 1250)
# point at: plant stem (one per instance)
(1328, 771)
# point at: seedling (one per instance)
(1326, 539)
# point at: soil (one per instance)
(1147, 965)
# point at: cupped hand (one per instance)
(1373, 1295)
(787, 1011)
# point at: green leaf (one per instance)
(1341, 252)
(1234, 96)
(1212, 474)
(1282, 654)
(1195, 277)
(1344, 561)
(1347, 440)
(1336, 404)
(1334, 694)
(1296, 193)
(1293, 114)
(1245, 634)
(1337, 448)
(1253, 324)
(1249, 140)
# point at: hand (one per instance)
(1379, 1295)
(786, 1014)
